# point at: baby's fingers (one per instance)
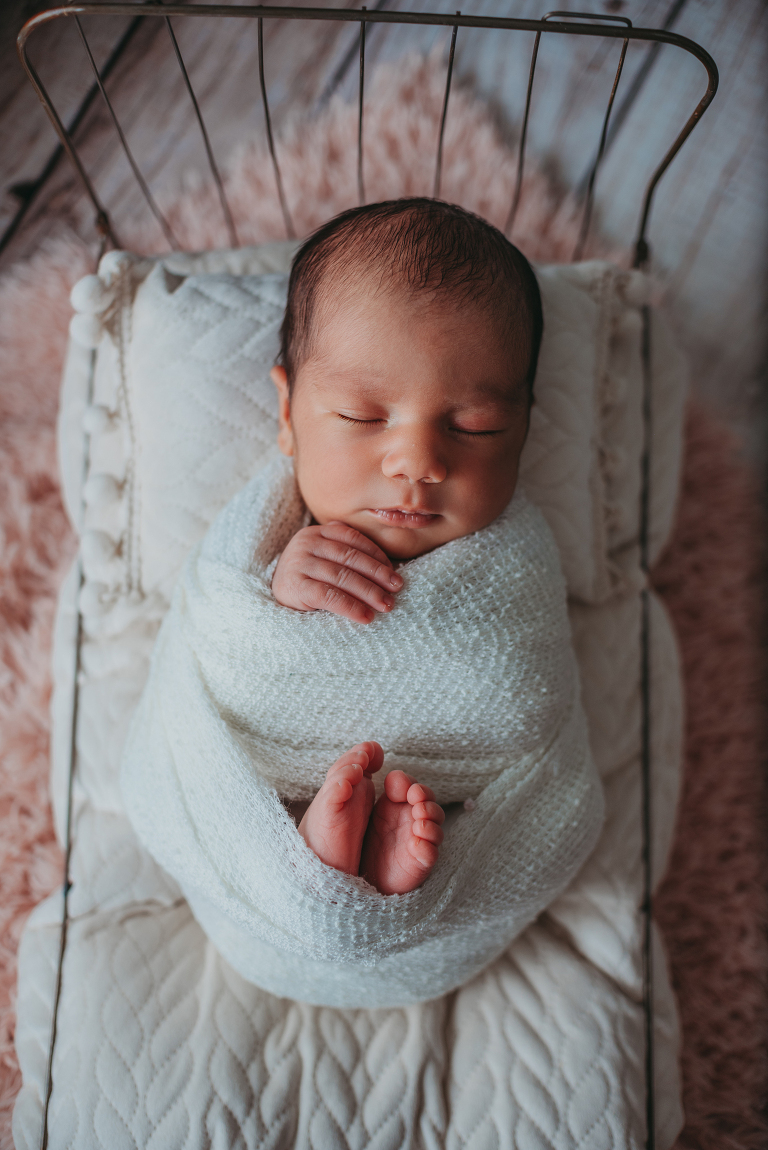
(318, 596)
(346, 579)
(376, 568)
(343, 533)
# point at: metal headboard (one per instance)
(557, 23)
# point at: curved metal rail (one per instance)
(566, 24)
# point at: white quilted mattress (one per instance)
(160, 1045)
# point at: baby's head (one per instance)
(409, 349)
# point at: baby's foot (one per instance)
(404, 833)
(335, 821)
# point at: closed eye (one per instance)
(359, 422)
(457, 430)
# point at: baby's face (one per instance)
(407, 422)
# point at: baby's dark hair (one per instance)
(422, 245)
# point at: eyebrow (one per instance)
(368, 379)
(363, 378)
(493, 391)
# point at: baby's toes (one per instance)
(423, 852)
(375, 755)
(357, 756)
(341, 781)
(429, 810)
(428, 831)
(396, 786)
(418, 793)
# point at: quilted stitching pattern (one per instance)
(206, 419)
(38, 958)
(110, 869)
(563, 423)
(181, 1052)
(554, 1063)
(600, 913)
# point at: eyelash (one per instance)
(456, 430)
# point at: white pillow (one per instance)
(185, 413)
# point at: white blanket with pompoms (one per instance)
(470, 685)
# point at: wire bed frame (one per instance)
(560, 23)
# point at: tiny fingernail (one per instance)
(388, 602)
(395, 580)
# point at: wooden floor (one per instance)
(709, 229)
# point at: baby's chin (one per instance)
(404, 543)
(400, 547)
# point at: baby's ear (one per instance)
(279, 377)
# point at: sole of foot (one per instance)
(336, 820)
(403, 837)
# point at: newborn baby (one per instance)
(408, 355)
(380, 586)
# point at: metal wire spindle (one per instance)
(360, 182)
(165, 226)
(645, 731)
(586, 218)
(68, 835)
(523, 137)
(103, 225)
(289, 228)
(439, 163)
(228, 220)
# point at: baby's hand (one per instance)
(332, 567)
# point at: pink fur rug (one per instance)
(712, 906)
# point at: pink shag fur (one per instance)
(711, 907)
(713, 904)
(36, 544)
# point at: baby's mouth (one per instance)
(397, 517)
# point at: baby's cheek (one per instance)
(487, 496)
(326, 487)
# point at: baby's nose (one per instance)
(415, 459)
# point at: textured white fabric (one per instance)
(470, 684)
(162, 1045)
(159, 1042)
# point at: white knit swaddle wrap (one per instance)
(469, 684)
